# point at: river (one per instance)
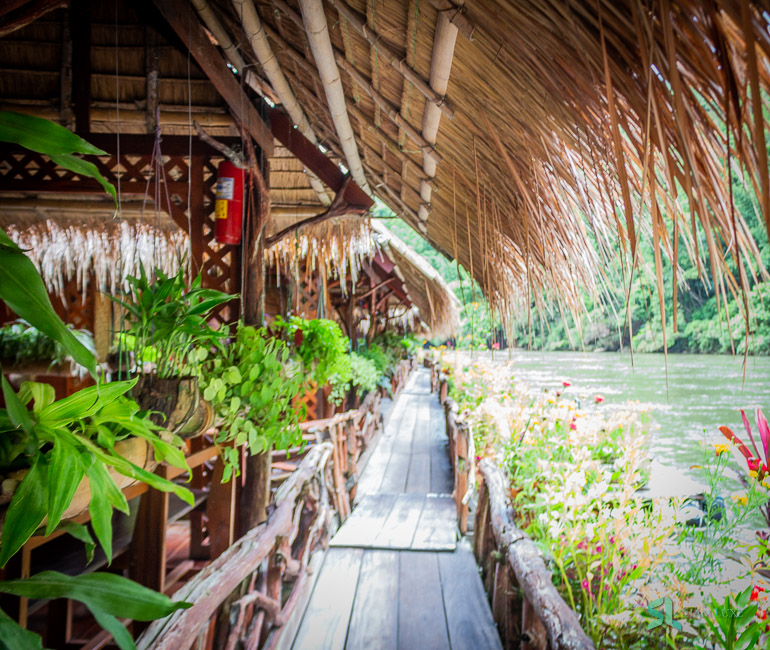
(703, 392)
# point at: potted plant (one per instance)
(251, 383)
(48, 448)
(166, 338)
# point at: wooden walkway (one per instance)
(395, 575)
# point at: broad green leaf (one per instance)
(98, 473)
(65, 472)
(85, 168)
(114, 627)
(80, 532)
(85, 402)
(101, 513)
(749, 638)
(22, 289)
(43, 136)
(14, 637)
(17, 412)
(26, 511)
(39, 393)
(107, 592)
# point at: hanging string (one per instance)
(190, 271)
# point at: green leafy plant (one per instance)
(251, 383)
(62, 442)
(365, 375)
(167, 324)
(107, 596)
(74, 438)
(735, 625)
(322, 349)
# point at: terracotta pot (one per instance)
(176, 402)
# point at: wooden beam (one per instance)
(17, 14)
(184, 21)
(315, 160)
(396, 61)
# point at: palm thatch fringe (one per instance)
(110, 250)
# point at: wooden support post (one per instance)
(221, 512)
(152, 72)
(80, 28)
(255, 495)
(148, 548)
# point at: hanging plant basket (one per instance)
(136, 450)
(175, 402)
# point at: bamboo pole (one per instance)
(440, 67)
(254, 29)
(317, 32)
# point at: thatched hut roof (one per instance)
(571, 123)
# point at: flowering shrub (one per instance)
(576, 466)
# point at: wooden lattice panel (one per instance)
(74, 307)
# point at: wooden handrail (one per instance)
(553, 618)
(305, 491)
(539, 618)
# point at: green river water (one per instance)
(703, 392)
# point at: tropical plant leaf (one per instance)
(26, 511)
(100, 509)
(22, 289)
(16, 412)
(107, 592)
(81, 533)
(114, 627)
(85, 168)
(43, 136)
(85, 402)
(14, 637)
(65, 473)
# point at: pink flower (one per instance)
(599, 399)
(566, 384)
(753, 464)
(573, 425)
(584, 584)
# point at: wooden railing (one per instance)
(460, 447)
(528, 609)
(246, 581)
(240, 599)
(529, 612)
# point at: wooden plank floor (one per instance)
(395, 575)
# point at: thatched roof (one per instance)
(568, 118)
(343, 248)
(570, 122)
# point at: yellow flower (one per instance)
(740, 498)
(752, 474)
(721, 449)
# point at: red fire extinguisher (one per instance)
(229, 204)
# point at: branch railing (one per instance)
(240, 599)
(244, 585)
(529, 611)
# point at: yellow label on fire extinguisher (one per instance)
(220, 209)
